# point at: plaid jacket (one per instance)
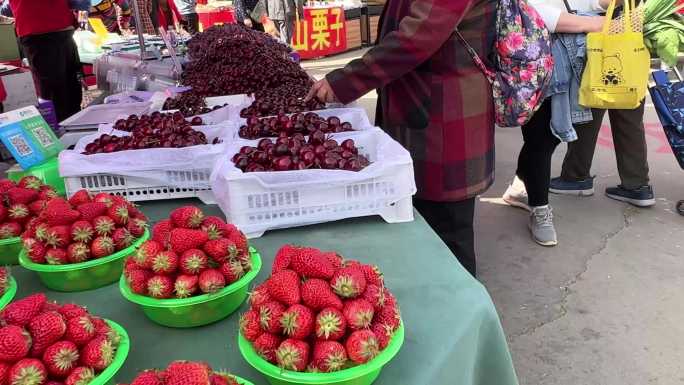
(432, 98)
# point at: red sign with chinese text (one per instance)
(321, 32)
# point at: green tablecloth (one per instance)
(453, 334)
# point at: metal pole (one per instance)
(138, 28)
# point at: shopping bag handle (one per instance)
(627, 8)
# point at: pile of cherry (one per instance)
(157, 130)
(189, 104)
(283, 125)
(296, 153)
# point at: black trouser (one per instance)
(534, 161)
(190, 23)
(54, 61)
(453, 222)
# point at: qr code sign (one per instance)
(43, 136)
(20, 144)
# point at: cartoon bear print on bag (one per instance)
(612, 70)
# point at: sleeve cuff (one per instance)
(342, 86)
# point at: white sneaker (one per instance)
(516, 195)
(541, 226)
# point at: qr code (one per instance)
(43, 137)
(20, 144)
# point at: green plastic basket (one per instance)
(9, 251)
(48, 172)
(195, 311)
(105, 378)
(82, 276)
(358, 375)
(9, 294)
(242, 381)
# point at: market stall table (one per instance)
(453, 334)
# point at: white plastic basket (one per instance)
(257, 202)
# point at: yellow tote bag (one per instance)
(616, 74)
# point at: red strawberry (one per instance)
(104, 225)
(297, 322)
(98, 353)
(122, 238)
(102, 328)
(78, 252)
(259, 296)
(334, 259)
(47, 192)
(80, 376)
(46, 329)
(80, 330)
(28, 371)
(185, 285)
(22, 311)
(35, 249)
(102, 247)
(211, 281)
(282, 258)
(161, 231)
(146, 252)
(362, 346)
(53, 382)
(266, 345)
(30, 228)
(187, 373)
(358, 313)
(4, 372)
(3, 213)
(250, 327)
(104, 198)
(182, 240)
(284, 286)
(373, 275)
(19, 213)
(71, 310)
(165, 262)
(137, 280)
(349, 282)
(15, 343)
(41, 231)
(79, 198)
(137, 227)
(10, 230)
(317, 294)
(221, 378)
(293, 355)
(130, 265)
(50, 306)
(37, 207)
(187, 217)
(58, 236)
(160, 286)
(58, 212)
(56, 257)
(384, 334)
(21, 195)
(193, 262)
(119, 213)
(309, 262)
(270, 314)
(389, 314)
(82, 231)
(232, 271)
(239, 239)
(330, 324)
(148, 377)
(5, 185)
(214, 227)
(31, 182)
(375, 295)
(329, 356)
(92, 210)
(60, 358)
(220, 250)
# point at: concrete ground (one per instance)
(604, 307)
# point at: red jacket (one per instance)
(35, 17)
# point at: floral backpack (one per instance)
(523, 62)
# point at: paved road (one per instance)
(604, 307)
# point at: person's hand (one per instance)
(248, 22)
(595, 23)
(322, 91)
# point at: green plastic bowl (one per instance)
(195, 311)
(105, 378)
(9, 251)
(48, 172)
(358, 375)
(242, 381)
(85, 275)
(9, 294)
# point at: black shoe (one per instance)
(640, 197)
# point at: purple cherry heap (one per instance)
(295, 153)
(282, 125)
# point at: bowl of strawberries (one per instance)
(43, 342)
(20, 203)
(8, 287)
(187, 373)
(319, 319)
(80, 244)
(195, 270)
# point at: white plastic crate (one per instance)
(257, 202)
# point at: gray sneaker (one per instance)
(541, 226)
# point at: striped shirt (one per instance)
(115, 14)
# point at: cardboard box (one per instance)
(20, 89)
